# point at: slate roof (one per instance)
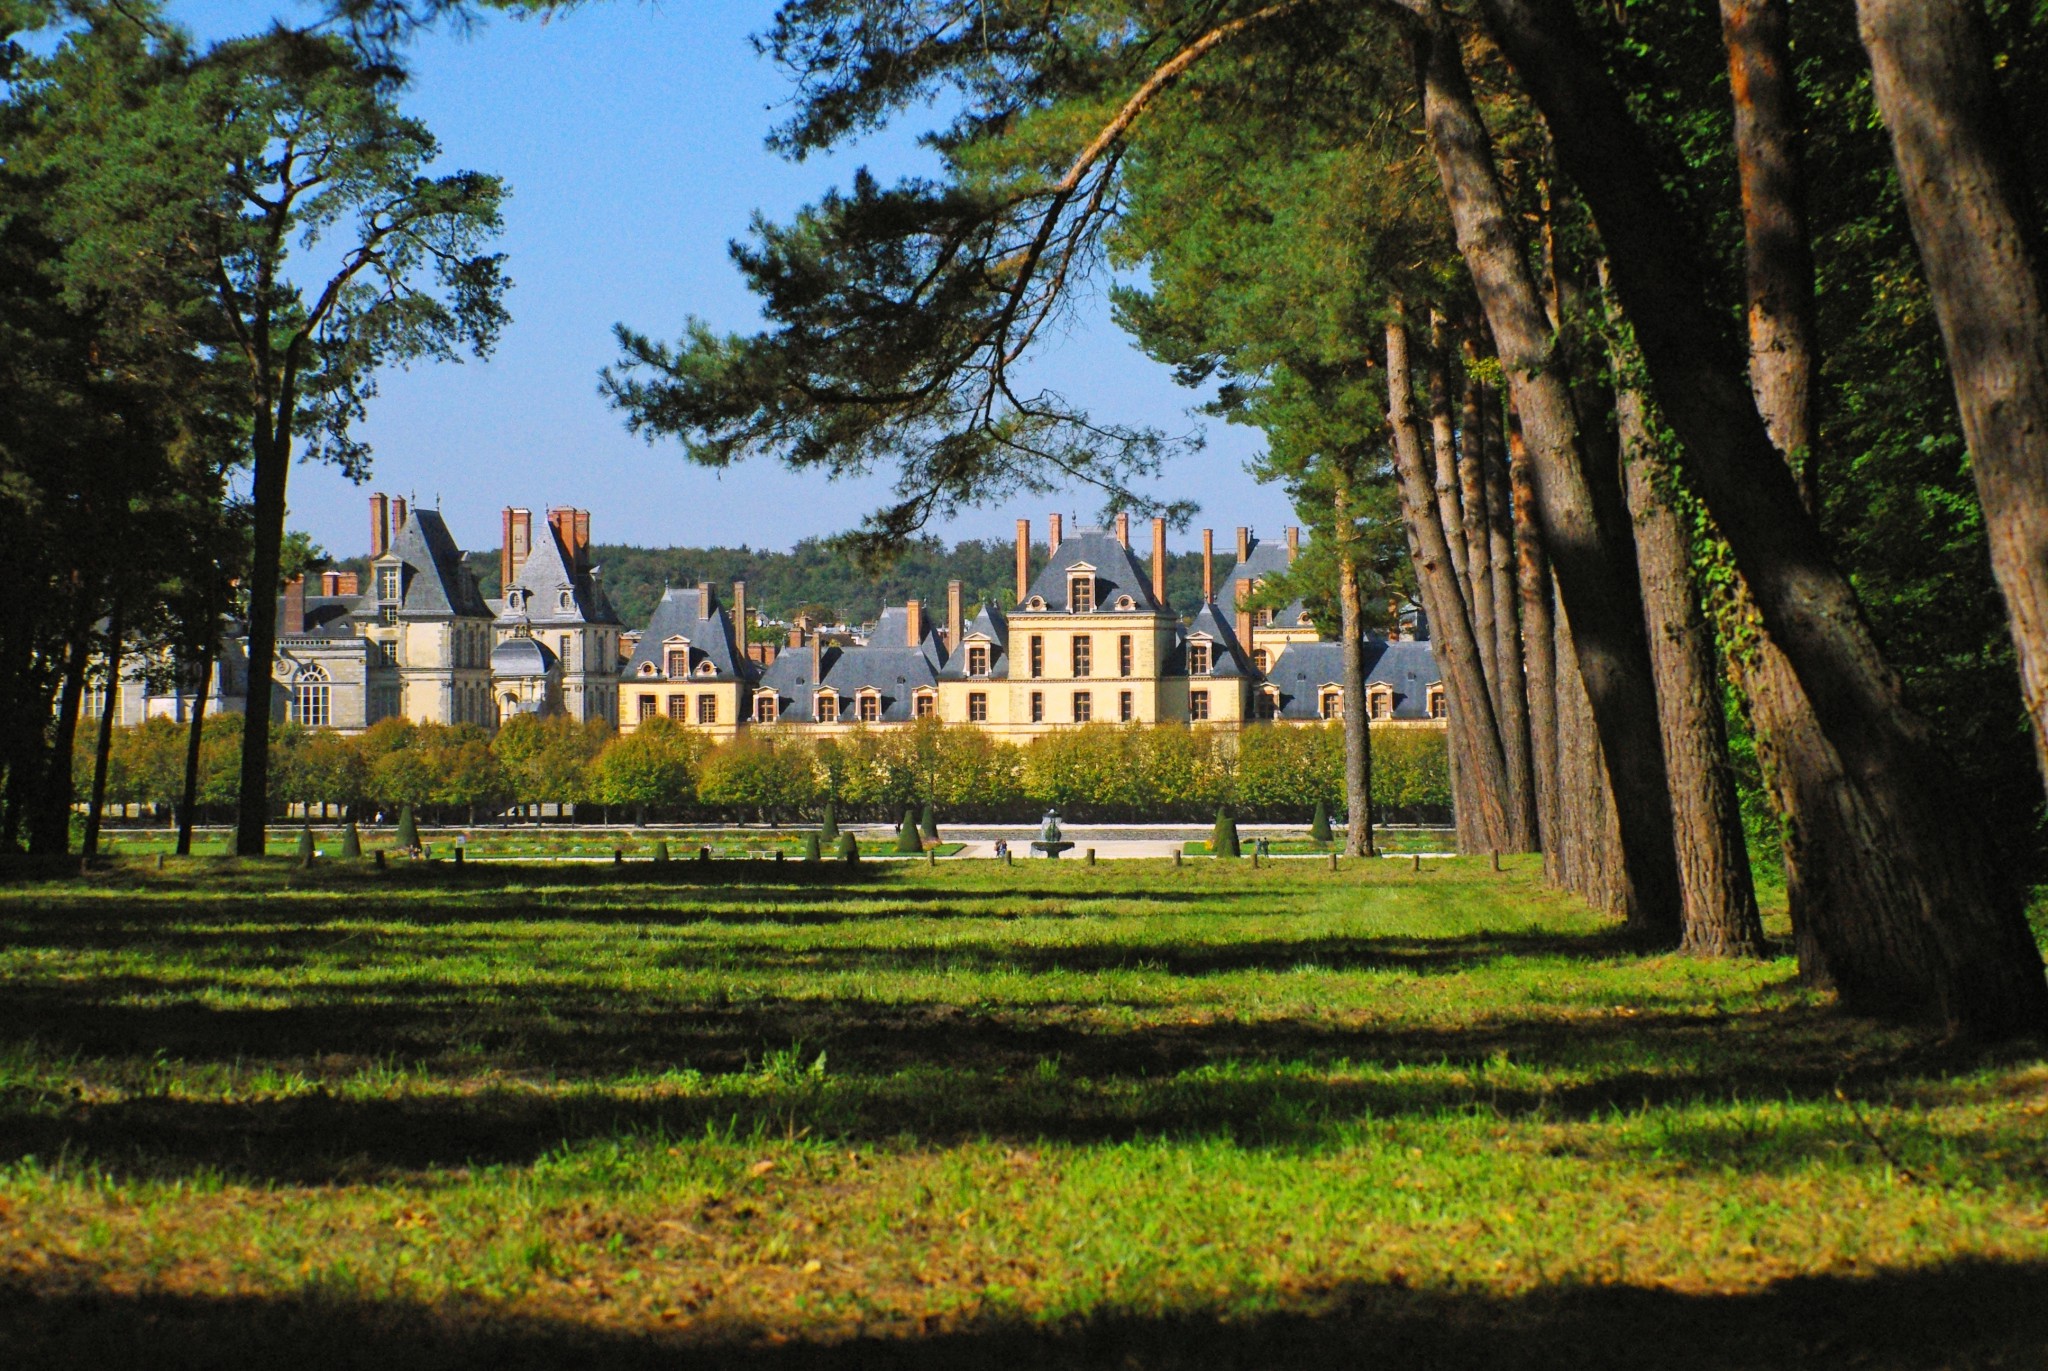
(521, 657)
(993, 625)
(681, 613)
(439, 585)
(327, 616)
(1263, 559)
(1229, 662)
(1407, 667)
(893, 668)
(544, 575)
(1116, 573)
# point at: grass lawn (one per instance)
(972, 1115)
(1386, 841)
(519, 844)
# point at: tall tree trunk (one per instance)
(1588, 545)
(1713, 858)
(1451, 509)
(50, 817)
(1980, 246)
(1511, 687)
(1474, 732)
(1357, 713)
(103, 746)
(195, 736)
(1539, 644)
(253, 806)
(1938, 927)
(1590, 828)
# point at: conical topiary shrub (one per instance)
(927, 826)
(849, 851)
(812, 852)
(661, 852)
(1223, 843)
(408, 831)
(828, 827)
(305, 845)
(906, 835)
(351, 841)
(1319, 830)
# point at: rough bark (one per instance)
(49, 820)
(1777, 250)
(195, 736)
(1510, 686)
(1713, 857)
(1357, 714)
(1931, 925)
(1453, 505)
(1981, 249)
(1474, 732)
(1539, 653)
(252, 815)
(1588, 825)
(103, 745)
(1589, 549)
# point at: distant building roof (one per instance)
(547, 591)
(1407, 668)
(1117, 574)
(1263, 560)
(703, 625)
(887, 665)
(439, 585)
(988, 625)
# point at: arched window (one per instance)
(706, 668)
(567, 600)
(1036, 602)
(311, 697)
(1126, 602)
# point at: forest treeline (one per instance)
(1100, 772)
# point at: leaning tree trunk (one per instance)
(1713, 858)
(103, 746)
(1588, 544)
(1511, 697)
(1539, 643)
(1933, 926)
(1357, 714)
(50, 817)
(1474, 734)
(1980, 246)
(1589, 826)
(195, 736)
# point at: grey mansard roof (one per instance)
(439, 585)
(521, 657)
(990, 624)
(889, 665)
(1301, 670)
(682, 614)
(1229, 662)
(543, 576)
(1263, 560)
(1116, 573)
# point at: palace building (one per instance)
(1089, 636)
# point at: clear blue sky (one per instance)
(632, 137)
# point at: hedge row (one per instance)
(1099, 772)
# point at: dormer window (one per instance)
(1036, 603)
(977, 659)
(679, 661)
(1436, 702)
(1081, 592)
(706, 668)
(1332, 703)
(1125, 602)
(567, 600)
(646, 668)
(1199, 657)
(827, 710)
(515, 599)
(765, 705)
(1262, 659)
(390, 582)
(925, 705)
(869, 707)
(1381, 702)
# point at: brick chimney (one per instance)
(582, 540)
(397, 515)
(796, 635)
(293, 621)
(330, 583)
(1244, 614)
(1123, 529)
(817, 657)
(739, 613)
(1208, 566)
(1159, 560)
(1023, 559)
(504, 548)
(705, 604)
(913, 621)
(518, 542)
(954, 625)
(1293, 544)
(380, 524)
(1244, 544)
(1052, 531)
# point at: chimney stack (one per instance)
(293, 621)
(739, 614)
(1293, 544)
(582, 540)
(1208, 566)
(330, 583)
(1123, 529)
(954, 625)
(913, 623)
(705, 604)
(505, 572)
(347, 583)
(1244, 613)
(521, 542)
(1023, 559)
(380, 524)
(397, 517)
(796, 635)
(817, 657)
(1052, 531)
(1244, 544)
(1159, 560)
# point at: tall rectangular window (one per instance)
(977, 659)
(1081, 594)
(977, 707)
(870, 709)
(707, 709)
(1124, 654)
(1198, 659)
(1198, 704)
(648, 705)
(1123, 706)
(1333, 704)
(388, 584)
(309, 705)
(563, 654)
(387, 652)
(1037, 655)
(679, 708)
(764, 709)
(828, 709)
(1037, 706)
(1084, 707)
(1084, 656)
(679, 661)
(924, 706)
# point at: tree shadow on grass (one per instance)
(1962, 1315)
